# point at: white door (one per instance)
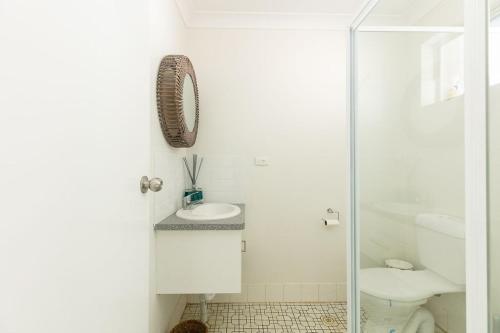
(74, 142)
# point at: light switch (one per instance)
(262, 161)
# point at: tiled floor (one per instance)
(272, 317)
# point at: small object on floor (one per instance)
(190, 326)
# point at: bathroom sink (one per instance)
(209, 211)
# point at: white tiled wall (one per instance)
(290, 292)
(256, 292)
(224, 177)
(327, 292)
(309, 292)
(274, 293)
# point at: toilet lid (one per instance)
(404, 286)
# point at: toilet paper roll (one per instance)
(329, 222)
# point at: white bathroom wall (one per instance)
(277, 94)
(168, 36)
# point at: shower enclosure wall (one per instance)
(418, 106)
(494, 165)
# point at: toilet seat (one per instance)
(403, 285)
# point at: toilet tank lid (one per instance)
(445, 224)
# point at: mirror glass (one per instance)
(189, 102)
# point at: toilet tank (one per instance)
(441, 245)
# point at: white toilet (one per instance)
(391, 298)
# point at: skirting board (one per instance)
(283, 292)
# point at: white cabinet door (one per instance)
(198, 261)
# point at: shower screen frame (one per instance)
(475, 29)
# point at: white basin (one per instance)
(209, 211)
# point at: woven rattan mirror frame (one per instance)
(169, 89)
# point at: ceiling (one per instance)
(302, 14)
(385, 7)
(279, 6)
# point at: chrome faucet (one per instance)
(188, 202)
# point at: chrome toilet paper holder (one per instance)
(335, 212)
(336, 217)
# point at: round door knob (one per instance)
(153, 184)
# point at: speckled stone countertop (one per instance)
(176, 223)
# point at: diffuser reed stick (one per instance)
(195, 171)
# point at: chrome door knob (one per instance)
(153, 184)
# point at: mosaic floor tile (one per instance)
(272, 317)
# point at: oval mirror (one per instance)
(177, 101)
(189, 102)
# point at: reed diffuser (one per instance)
(193, 173)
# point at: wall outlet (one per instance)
(262, 161)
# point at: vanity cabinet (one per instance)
(199, 258)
